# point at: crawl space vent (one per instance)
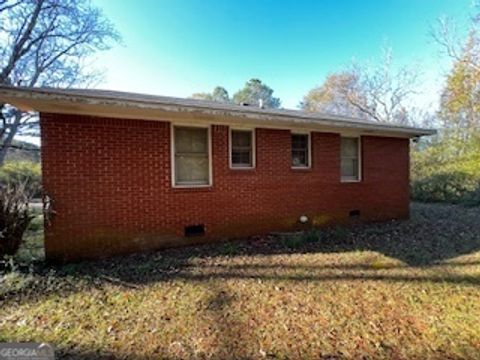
(194, 230)
(354, 213)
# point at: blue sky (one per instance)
(178, 47)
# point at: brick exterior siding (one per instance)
(110, 181)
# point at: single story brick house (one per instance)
(128, 172)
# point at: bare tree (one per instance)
(378, 93)
(339, 94)
(454, 45)
(47, 43)
(460, 100)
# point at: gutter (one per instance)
(23, 96)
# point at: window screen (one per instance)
(191, 156)
(242, 148)
(350, 159)
(300, 156)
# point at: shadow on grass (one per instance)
(89, 355)
(434, 234)
(422, 245)
(86, 354)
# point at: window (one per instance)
(300, 150)
(191, 156)
(242, 149)
(350, 162)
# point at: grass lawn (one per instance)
(403, 290)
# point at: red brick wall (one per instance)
(110, 180)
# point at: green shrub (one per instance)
(22, 172)
(292, 241)
(311, 236)
(473, 198)
(447, 170)
(455, 187)
(37, 223)
(230, 249)
(341, 233)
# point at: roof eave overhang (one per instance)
(43, 101)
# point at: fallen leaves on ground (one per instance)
(402, 290)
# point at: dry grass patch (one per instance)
(404, 290)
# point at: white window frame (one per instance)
(359, 144)
(230, 148)
(172, 155)
(309, 137)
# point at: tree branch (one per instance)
(18, 147)
(7, 7)
(18, 47)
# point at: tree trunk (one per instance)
(8, 138)
(3, 151)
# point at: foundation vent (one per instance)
(194, 230)
(354, 213)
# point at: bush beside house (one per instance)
(14, 218)
(447, 171)
(23, 172)
(20, 181)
